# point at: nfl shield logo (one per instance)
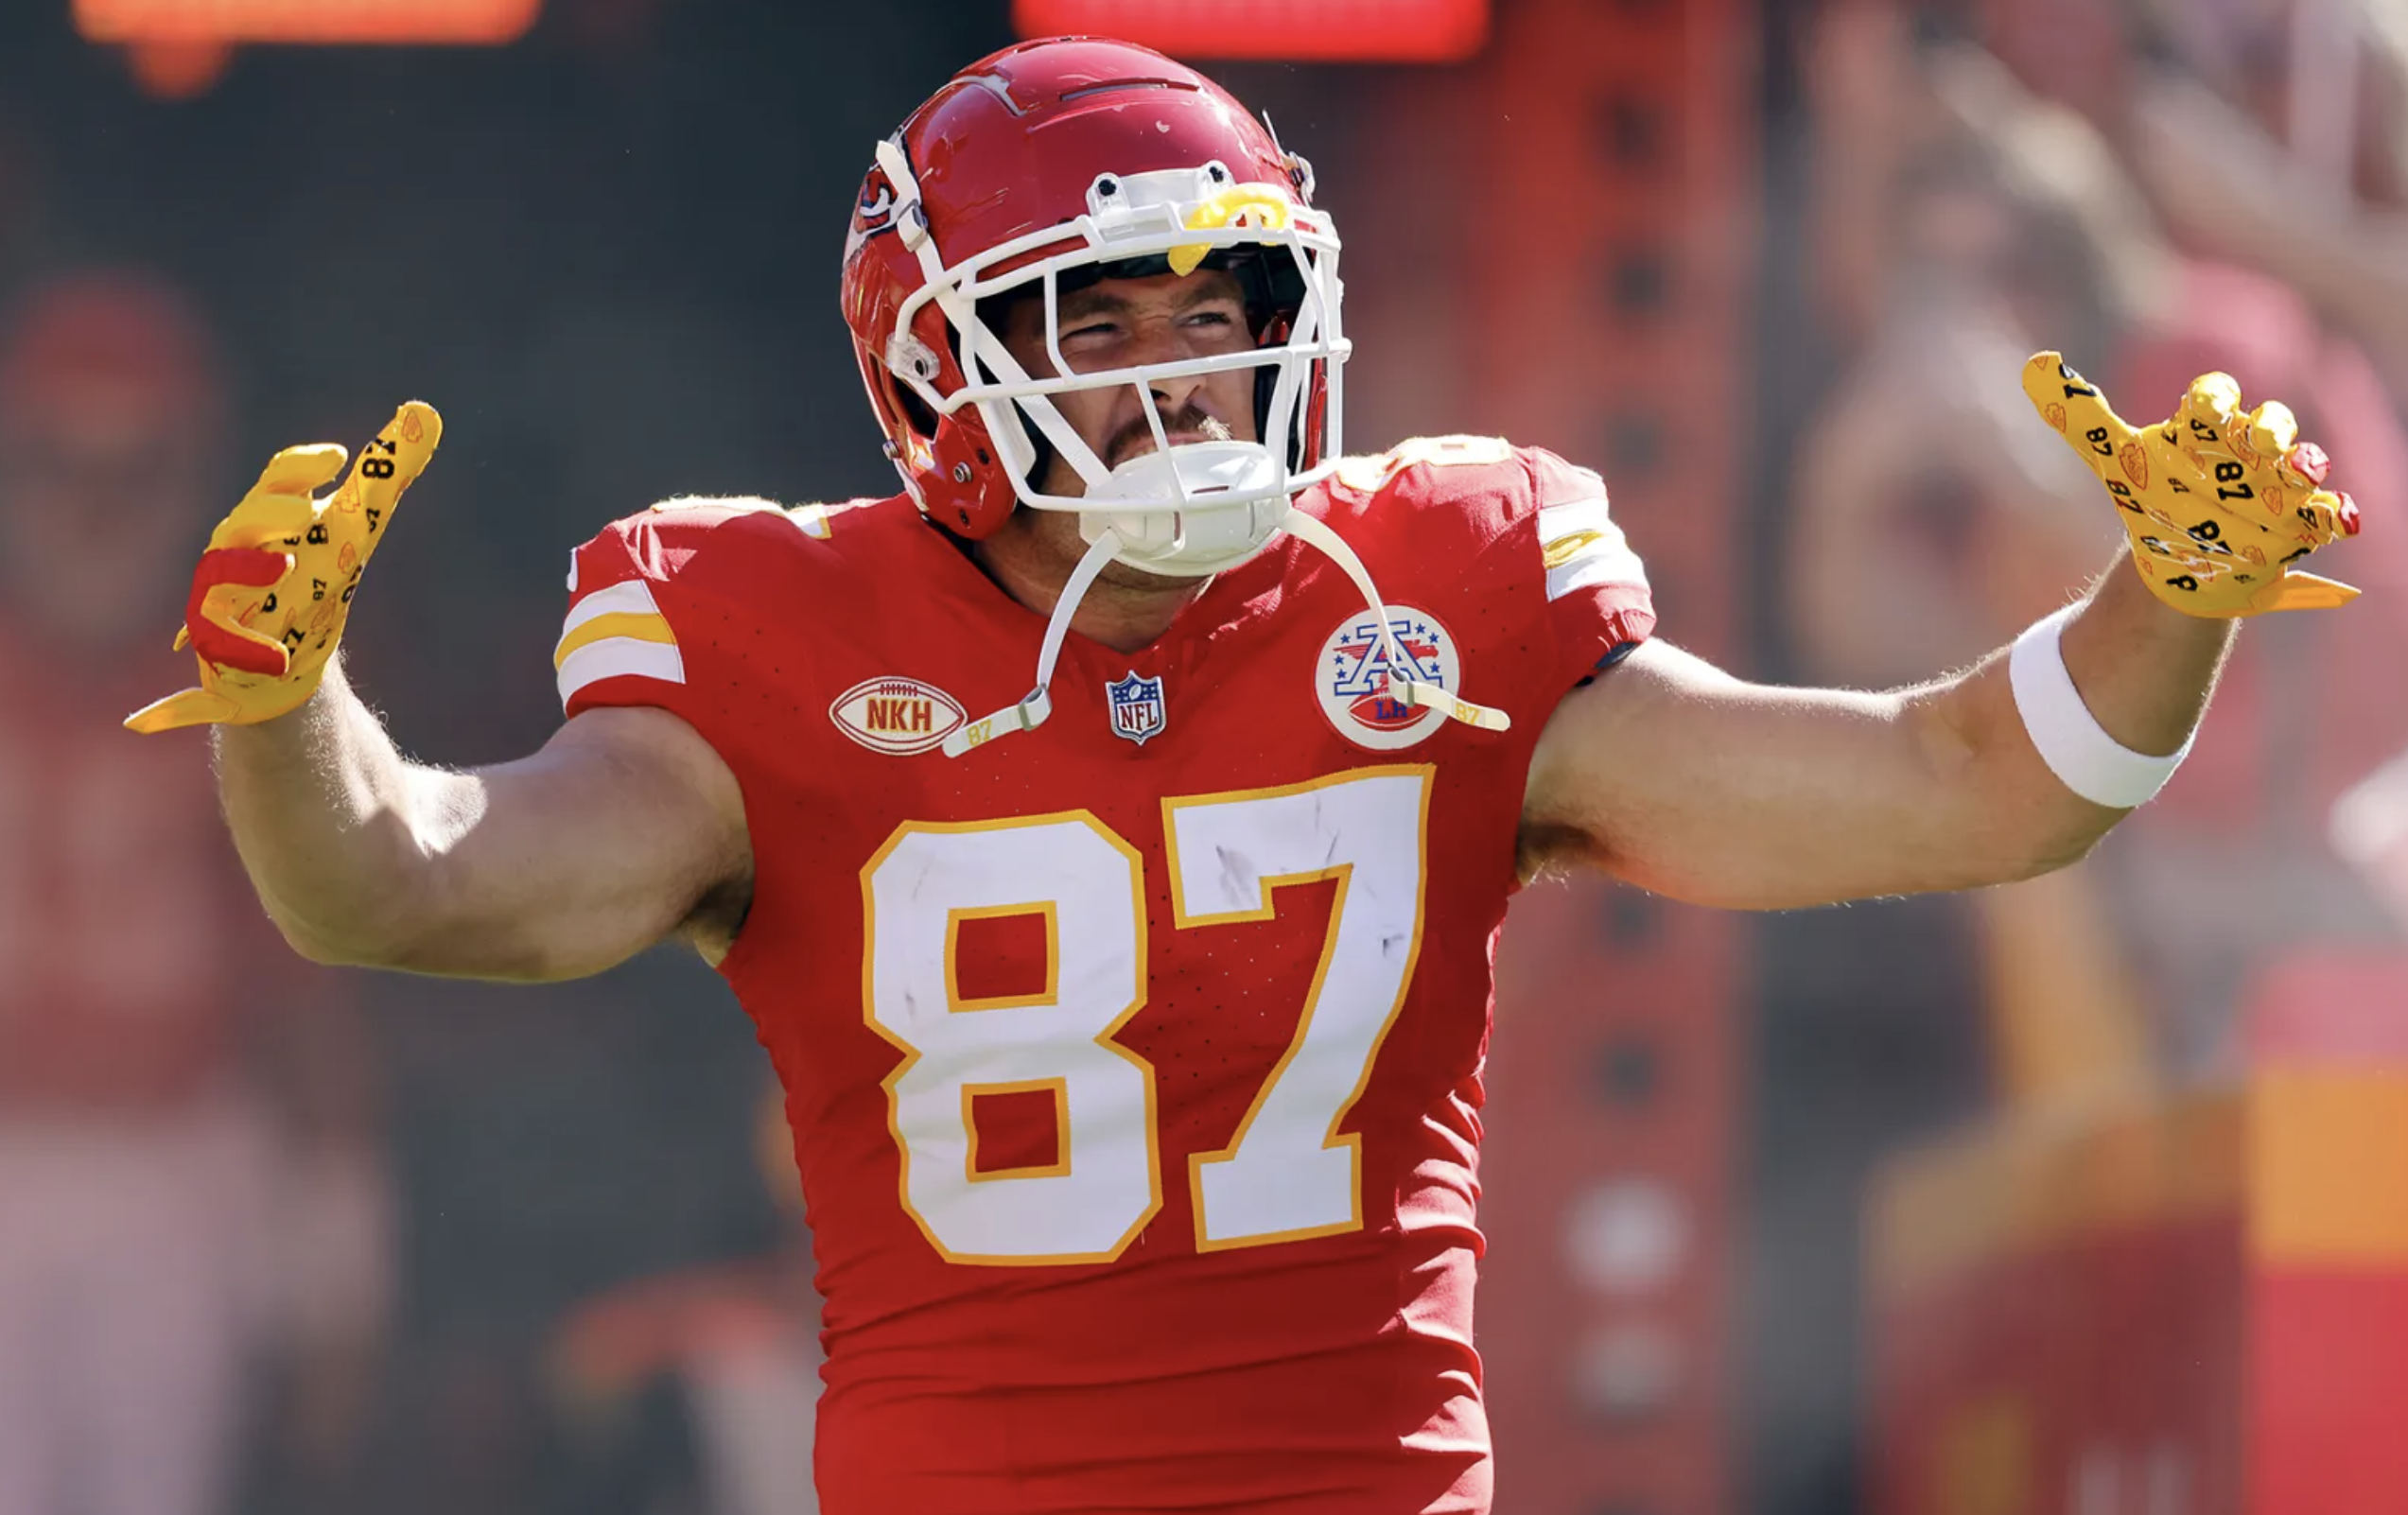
(1136, 705)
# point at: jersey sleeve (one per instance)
(1546, 588)
(1599, 605)
(652, 600)
(619, 645)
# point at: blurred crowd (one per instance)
(2157, 189)
(2158, 192)
(199, 1172)
(273, 1238)
(279, 1239)
(187, 1165)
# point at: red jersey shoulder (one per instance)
(1521, 526)
(661, 544)
(1470, 489)
(647, 586)
(1457, 497)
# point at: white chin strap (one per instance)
(1104, 544)
(1031, 711)
(1226, 500)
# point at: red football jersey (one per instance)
(1134, 1061)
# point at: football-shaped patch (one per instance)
(893, 714)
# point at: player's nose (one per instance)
(1172, 393)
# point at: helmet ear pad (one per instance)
(975, 497)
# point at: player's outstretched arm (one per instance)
(1688, 781)
(624, 829)
(1684, 781)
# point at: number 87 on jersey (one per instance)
(1287, 1173)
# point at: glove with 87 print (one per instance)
(2220, 502)
(271, 593)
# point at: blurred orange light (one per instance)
(178, 70)
(487, 23)
(1422, 31)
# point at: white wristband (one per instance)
(2076, 748)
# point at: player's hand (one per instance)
(2220, 501)
(269, 595)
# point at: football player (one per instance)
(1131, 1011)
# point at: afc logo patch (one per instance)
(1137, 708)
(1353, 677)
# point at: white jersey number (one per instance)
(1287, 1173)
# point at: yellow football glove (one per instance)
(269, 595)
(2220, 501)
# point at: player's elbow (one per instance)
(411, 940)
(324, 946)
(2047, 853)
(470, 953)
(2004, 817)
(2048, 825)
(2069, 832)
(2015, 830)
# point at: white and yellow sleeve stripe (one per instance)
(614, 631)
(1583, 549)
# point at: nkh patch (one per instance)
(897, 715)
(1136, 704)
(1354, 679)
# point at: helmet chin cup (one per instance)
(1219, 503)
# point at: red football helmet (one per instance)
(1056, 163)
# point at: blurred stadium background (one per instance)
(2086, 1195)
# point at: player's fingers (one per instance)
(254, 567)
(218, 639)
(186, 707)
(2308, 463)
(2266, 435)
(2324, 516)
(2209, 414)
(264, 520)
(2075, 408)
(228, 645)
(302, 470)
(388, 466)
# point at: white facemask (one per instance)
(1192, 509)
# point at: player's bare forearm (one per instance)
(1671, 774)
(1686, 780)
(556, 865)
(1680, 778)
(325, 813)
(2144, 671)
